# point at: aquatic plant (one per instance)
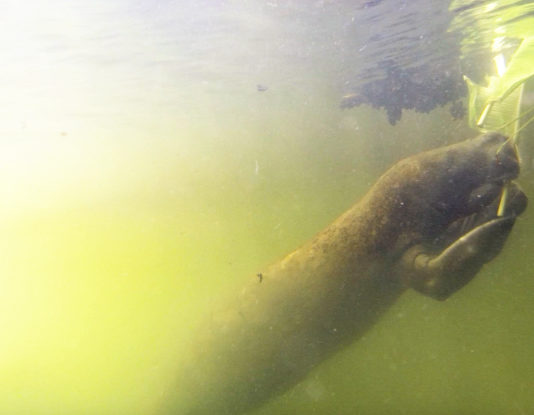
(506, 28)
(497, 106)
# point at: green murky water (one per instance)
(144, 177)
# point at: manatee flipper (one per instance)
(479, 239)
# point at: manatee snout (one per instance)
(473, 227)
(503, 157)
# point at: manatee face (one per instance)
(422, 195)
(462, 228)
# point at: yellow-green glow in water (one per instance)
(143, 177)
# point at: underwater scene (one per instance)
(266, 207)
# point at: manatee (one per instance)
(429, 223)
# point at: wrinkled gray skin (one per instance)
(429, 223)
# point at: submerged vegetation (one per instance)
(421, 89)
(501, 31)
(496, 103)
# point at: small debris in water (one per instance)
(261, 88)
(260, 276)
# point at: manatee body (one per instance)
(325, 294)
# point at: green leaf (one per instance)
(486, 100)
